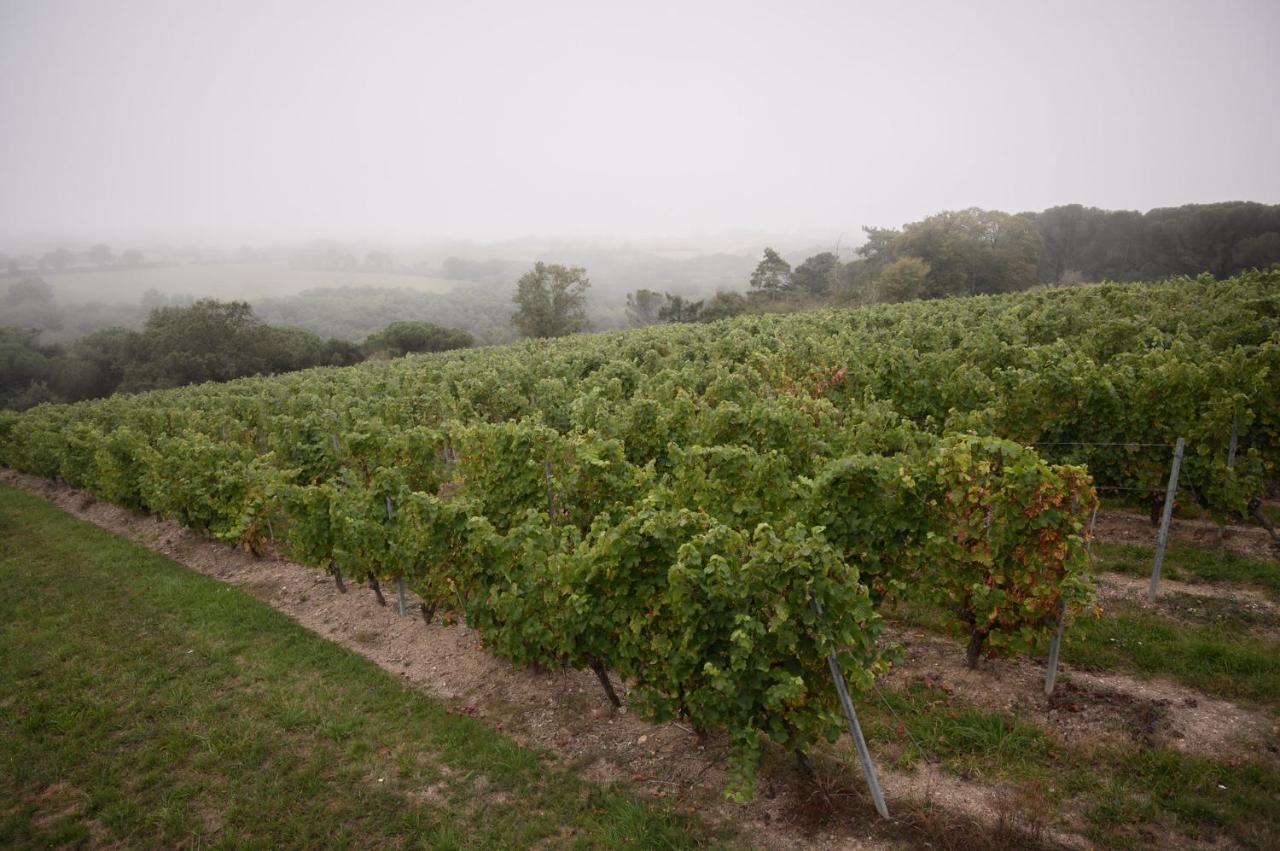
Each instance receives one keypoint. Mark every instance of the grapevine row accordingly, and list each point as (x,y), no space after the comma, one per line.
(668,504)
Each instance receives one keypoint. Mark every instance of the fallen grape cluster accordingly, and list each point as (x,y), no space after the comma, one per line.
(677,504)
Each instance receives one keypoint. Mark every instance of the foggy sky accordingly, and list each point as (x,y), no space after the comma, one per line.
(406,120)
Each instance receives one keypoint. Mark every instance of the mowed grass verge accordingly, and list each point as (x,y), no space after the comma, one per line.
(1127,796)
(1187,563)
(1215,645)
(144,705)
(1119,796)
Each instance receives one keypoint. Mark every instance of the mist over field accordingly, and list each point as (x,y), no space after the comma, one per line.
(340,166)
(224,123)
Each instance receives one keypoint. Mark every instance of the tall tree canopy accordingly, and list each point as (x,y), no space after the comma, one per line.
(552,301)
(773,274)
(643,307)
(902,280)
(406,336)
(816,275)
(972,251)
(1085,243)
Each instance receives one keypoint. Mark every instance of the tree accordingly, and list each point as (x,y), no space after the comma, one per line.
(679,309)
(643,307)
(902,280)
(877,250)
(24,364)
(109,352)
(552,301)
(1123,245)
(817,274)
(29,303)
(772,275)
(405,337)
(338,352)
(100,254)
(1257,252)
(131,258)
(153,299)
(58,259)
(1062,231)
(723,305)
(973,251)
(208,341)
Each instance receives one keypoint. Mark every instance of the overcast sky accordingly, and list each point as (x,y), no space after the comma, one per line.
(415,120)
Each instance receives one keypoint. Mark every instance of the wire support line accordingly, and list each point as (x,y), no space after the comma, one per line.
(1099,443)
(1123,488)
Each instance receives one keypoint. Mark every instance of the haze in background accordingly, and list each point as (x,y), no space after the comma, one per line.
(243,121)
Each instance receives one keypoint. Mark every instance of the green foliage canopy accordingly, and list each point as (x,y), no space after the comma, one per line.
(552,300)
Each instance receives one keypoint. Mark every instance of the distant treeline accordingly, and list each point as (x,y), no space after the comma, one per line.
(1095,245)
(974,251)
(952,253)
(988,251)
(205,341)
(353,312)
(60,259)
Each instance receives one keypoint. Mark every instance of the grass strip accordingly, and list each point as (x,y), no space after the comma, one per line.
(1126,796)
(142,704)
(1187,563)
(1223,658)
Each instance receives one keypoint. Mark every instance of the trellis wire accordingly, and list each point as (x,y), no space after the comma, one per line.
(1097,443)
(1125,488)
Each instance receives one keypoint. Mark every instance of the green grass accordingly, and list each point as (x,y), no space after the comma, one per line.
(965,740)
(1221,659)
(1221,656)
(1191,564)
(1215,645)
(142,704)
(1126,794)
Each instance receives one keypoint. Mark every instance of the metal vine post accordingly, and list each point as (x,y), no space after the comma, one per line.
(855,729)
(1055,648)
(1166,517)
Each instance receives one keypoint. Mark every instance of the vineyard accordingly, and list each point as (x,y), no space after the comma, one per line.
(708,512)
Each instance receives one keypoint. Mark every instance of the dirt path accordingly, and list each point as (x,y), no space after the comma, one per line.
(1131,527)
(1122,586)
(566,714)
(1087,708)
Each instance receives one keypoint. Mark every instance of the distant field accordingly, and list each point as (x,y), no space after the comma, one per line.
(224,280)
